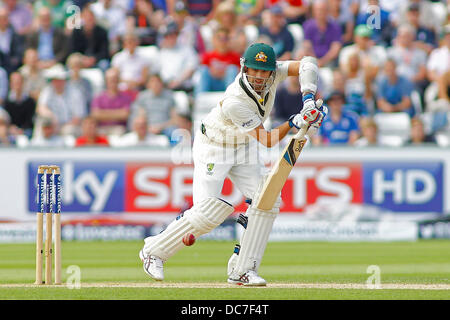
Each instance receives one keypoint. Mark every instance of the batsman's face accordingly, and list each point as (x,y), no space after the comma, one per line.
(258,78)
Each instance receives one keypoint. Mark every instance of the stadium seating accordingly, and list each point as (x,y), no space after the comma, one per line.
(440,12)
(207,33)
(251,32)
(181,102)
(393,128)
(203,103)
(296,31)
(96,78)
(150,52)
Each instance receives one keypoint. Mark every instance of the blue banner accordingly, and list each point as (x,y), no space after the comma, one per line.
(404,186)
(86,186)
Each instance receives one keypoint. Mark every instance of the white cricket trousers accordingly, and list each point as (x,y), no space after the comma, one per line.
(210,170)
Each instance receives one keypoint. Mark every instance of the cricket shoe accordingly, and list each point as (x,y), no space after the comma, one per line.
(153,266)
(250,278)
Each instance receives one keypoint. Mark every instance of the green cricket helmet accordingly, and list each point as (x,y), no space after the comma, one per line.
(259,56)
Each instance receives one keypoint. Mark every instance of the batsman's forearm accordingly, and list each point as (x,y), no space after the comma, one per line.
(271,138)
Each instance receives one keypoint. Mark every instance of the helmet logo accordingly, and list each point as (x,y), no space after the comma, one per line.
(261,56)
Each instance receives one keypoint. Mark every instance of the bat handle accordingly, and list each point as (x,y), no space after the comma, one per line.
(302,132)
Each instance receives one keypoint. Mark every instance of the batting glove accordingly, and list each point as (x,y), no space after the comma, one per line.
(309,102)
(296,121)
(314,116)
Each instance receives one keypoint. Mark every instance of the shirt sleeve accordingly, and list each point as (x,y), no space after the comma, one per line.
(242,117)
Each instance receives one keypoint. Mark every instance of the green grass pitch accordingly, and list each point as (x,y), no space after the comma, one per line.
(294,271)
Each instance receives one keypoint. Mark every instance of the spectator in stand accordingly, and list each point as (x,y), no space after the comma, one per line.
(59,10)
(339,82)
(394,91)
(20,107)
(112,107)
(189,34)
(417,133)
(249,9)
(369,132)
(358,86)
(425,37)
(372,56)
(176,64)
(438,72)
(51,43)
(323,34)
(427,15)
(344,17)
(3,85)
(90,135)
(111,17)
(91,40)
(280,37)
(133,66)
(160,6)
(141,135)
(184,123)
(145,22)
(62,103)
(32,74)
(48,136)
(294,10)
(81,3)
(340,126)
(378,21)
(11,44)
(227,18)
(220,66)
(411,61)
(6,139)
(158,105)
(288,101)
(202,10)
(20,16)
(75,64)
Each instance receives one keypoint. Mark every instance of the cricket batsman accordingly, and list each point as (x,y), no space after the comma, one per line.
(225,146)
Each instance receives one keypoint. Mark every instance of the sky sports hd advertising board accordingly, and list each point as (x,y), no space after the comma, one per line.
(93,186)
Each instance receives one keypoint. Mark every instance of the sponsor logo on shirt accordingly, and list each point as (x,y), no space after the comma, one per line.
(248,123)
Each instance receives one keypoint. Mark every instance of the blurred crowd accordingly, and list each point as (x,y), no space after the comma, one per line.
(129,72)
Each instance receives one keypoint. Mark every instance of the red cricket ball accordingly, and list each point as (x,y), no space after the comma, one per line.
(188,239)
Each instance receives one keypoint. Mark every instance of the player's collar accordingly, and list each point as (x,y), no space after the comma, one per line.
(253,95)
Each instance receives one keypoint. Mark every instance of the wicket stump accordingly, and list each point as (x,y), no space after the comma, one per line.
(49,203)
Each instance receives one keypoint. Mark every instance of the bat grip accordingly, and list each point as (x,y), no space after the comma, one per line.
(302,132)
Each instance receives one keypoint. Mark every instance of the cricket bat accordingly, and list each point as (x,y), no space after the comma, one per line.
(281,170)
